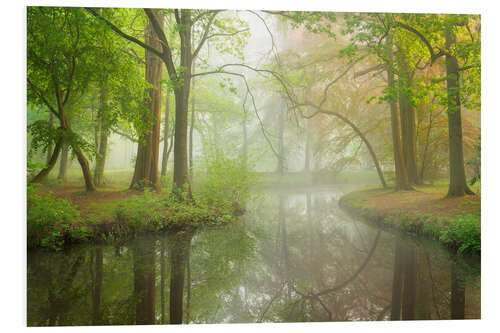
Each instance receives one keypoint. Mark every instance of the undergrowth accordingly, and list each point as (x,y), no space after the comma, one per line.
(52,222)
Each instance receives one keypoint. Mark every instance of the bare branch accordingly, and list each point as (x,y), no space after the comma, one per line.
(369,70)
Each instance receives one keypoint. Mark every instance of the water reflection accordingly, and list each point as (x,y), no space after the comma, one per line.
(294,257)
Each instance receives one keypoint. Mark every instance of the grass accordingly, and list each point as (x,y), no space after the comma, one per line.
(61,213)
(455,222)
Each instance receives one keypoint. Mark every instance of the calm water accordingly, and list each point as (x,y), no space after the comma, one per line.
(295,257)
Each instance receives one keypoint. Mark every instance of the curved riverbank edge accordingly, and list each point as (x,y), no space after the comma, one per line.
(459,232)
(56,223)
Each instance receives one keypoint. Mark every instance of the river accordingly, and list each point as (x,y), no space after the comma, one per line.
(294,257)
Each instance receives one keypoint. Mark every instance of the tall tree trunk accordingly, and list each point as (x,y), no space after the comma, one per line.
(50,165)
(399,163)
(162,280)
(66,126)
(144,282)
(408,128)
(63,164)
(50,147)
(181,244)
(164,160)
(244,152)
(191,129)
(458,183)
(97,286)
(397,282)
(307,162)
(103,138)
(457,290)
(281,144)
(284,244)
(181,176)
(410,284)
(146,165)
(426,147)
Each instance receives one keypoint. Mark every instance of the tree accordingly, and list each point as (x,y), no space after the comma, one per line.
(189,25)
(57,43)
(435,28)
(146,166)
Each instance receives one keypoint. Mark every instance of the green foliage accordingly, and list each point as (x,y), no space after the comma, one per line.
(475,163)
(52,221)
(463,232)
(225,189)
(226,182)
(149,212)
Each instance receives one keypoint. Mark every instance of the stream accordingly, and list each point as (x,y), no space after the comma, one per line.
(294,257)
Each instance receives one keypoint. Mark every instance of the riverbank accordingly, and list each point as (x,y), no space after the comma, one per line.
(455,222)
(65,214)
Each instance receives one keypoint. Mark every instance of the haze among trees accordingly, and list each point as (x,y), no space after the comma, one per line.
(329,89)
(220,160)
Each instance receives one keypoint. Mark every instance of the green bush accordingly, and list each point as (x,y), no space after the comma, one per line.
(148,212)
(226,182)
(464,232)
(51,221)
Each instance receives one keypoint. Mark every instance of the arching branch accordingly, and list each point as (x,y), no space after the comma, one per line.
(121,33)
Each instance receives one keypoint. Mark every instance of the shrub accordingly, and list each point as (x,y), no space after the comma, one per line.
(51,221)
(463,232)
(226,182)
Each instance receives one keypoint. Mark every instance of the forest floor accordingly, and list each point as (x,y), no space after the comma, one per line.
(101,204)
(426,211)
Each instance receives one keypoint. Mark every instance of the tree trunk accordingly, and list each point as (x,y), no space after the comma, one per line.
(103,138)
(458,183)
(178,262)
(245,139)
(50,147)
(307,162)
(144,283)
(410,284)
(181,176)
(426,147)
(281,144)
(408,128)
(53,159)
(457,290)
(397,283)
(191,130)
(399,163)
(164,160)
(146,165)
(63,164)
(97,286)
(66,126)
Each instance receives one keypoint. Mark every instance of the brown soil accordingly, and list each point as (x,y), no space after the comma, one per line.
(77,195)
(422,202)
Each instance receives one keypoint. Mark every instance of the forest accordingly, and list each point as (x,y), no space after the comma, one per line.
(214,166)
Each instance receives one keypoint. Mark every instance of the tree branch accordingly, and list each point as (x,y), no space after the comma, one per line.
(205,36)
(166,56)
(369,70)
(434,56)
(124,35)
(44,100)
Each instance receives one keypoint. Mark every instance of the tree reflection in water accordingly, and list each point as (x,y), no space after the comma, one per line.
(294,257)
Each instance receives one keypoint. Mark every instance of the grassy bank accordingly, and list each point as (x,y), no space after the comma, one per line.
(61,213)
(455,222)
